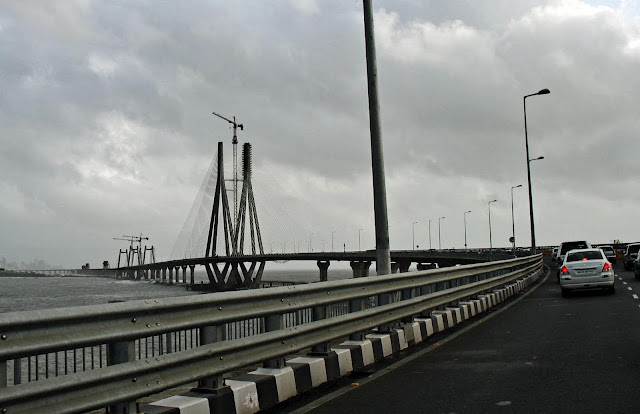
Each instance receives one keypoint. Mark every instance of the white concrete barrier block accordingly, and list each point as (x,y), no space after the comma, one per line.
(428,324)
(465,310)
(344,361)
(317,367)
(457,313)
(438,322)
(285,380)
(245,394)
(472,307)
(402,339)
(412,332)
(367,350)
(186,405)
(387,348)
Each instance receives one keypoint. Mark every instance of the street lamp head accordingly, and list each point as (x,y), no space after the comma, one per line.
(442,217)
(492,201)
(517,186)
(468,211)
(544,92)
(536,159)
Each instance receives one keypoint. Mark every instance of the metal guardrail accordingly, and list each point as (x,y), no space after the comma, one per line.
(329,311)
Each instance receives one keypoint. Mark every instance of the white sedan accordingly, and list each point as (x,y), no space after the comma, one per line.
(586,269)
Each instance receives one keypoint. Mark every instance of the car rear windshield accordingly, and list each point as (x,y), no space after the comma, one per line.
(588,255)
(633,248)
(573,245)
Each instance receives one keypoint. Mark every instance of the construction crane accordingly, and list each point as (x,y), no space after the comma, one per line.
(235,160)
(130,254)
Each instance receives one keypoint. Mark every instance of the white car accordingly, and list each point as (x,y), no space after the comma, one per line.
(586,269)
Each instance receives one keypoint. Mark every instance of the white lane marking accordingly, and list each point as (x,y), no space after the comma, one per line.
(624,283)
(629,288)
(635,296)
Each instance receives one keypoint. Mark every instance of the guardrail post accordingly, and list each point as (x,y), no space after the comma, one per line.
(356,305)
(17,371)
(3,374)
(319,313)
(120,353)
(274,323)
(209,335)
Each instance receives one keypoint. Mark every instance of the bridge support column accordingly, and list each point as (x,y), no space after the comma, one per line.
(171,275)
(210,335)
(324,273)
(192,269)
(118,353)
(360,269)
(394,267)
(184,274)
(164,274)
(404,265)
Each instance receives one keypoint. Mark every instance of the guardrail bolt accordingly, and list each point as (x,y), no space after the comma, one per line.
(134,380)
(4,337)
(220,308)
(133,320)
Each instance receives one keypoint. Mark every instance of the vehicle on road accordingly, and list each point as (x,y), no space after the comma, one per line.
(630,255)
(586,269)
(554,254)
(564,247)
(609,253)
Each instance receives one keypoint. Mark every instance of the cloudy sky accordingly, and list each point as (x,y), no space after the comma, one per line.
(106,124)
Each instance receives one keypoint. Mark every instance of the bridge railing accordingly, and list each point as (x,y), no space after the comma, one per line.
(128,350)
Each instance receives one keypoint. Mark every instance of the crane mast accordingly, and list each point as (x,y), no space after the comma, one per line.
(235,161)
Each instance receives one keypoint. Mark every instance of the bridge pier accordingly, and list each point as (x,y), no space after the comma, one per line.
(360,269)
(171,275)
(404,265)
(192,269)
(184,274)
(394,267)
(324,273)
(164,274)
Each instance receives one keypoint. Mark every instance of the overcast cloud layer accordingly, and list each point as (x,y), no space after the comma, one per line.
(107,128)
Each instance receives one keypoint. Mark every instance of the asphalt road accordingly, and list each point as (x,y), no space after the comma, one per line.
(545,354)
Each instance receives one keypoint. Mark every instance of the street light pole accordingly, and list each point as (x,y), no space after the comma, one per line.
(383,254)
(359,249)
(526,142)
(430,234)
(490,242)
(311,234)
(439,240)
(465,228)
(332,233)
(413,235)
(513,222)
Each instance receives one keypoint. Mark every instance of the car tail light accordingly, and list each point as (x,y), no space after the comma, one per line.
(607,266)
(564,270)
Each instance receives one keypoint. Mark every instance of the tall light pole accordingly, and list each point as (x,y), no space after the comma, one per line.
(439,244)
(526,143)
(311,234)
(383,254)
(430,235)
(490,242)
(465,228)
(332,233)
(513,222)
(359,249)
(413,235)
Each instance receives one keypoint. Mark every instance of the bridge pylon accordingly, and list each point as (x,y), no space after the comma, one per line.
(234,274)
